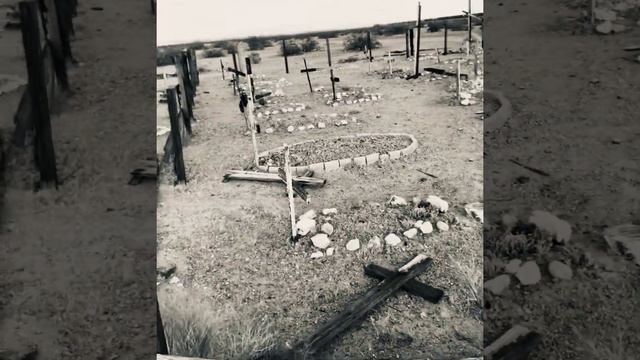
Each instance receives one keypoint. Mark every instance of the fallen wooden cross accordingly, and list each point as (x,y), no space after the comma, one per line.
(237,72)
(517,343)
(356,312)
(333,79)
(296,188)
(446,72)
(270,177)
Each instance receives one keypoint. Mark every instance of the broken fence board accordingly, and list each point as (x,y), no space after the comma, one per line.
(413,287)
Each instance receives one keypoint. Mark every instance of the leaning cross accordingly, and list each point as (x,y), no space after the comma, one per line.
(307,70)
(334,80)
(356,312)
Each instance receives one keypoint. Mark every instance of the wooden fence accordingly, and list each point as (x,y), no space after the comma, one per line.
(47,26)
(180,101)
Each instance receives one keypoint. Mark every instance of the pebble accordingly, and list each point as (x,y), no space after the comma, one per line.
(374,242)
(442,226)
(438,203)
(327,228)
(513,266)
(317,254)
(291,128)
(392,240)
(560,270)
(551,224)
(418,224)
(269,130)
(305,226)
(329,211)
(426,228)
(311,214)
(311,126)
(353,245)
(498,284)
(302,128)
(330,251)
(529,273)
(321,241)
(411,233)
(321,125)
(397,201)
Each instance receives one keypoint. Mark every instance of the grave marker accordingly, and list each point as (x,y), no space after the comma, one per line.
(469,28)
(369,45)
(307,70)
(252,120)
(236,83)
(292,208)
(334,80)
(222,69)
(406,41)
(176,137)
(284,53)
(413,53)
(419,25)
(446,31)
(458,80)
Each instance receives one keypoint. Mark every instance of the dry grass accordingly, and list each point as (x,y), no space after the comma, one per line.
(614,348)
(472,276)
(195,330)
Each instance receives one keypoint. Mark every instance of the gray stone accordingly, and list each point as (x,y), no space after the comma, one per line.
(321,241)
(560,270)
(498,284)
(330,251)
(374,242)
(426,228)
(397,201)
(353,245)
(327,228)
(438,203)
(317,255)
(411,233)
(305,226)
(529,273)
(329,211)
(513,266)
(392,240)
(442,226)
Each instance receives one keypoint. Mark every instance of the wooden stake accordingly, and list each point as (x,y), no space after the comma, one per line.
(389,61)
(284,52)
(252,120)
(292,209)
(469,29)
(406,41)
(437,55)
(418,41)
(236,83)
(222,69)
(446,30)
(475,63)
(370,46)
(458,80)
(413,53)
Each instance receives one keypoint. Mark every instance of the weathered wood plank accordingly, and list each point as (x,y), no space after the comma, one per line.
(413,286)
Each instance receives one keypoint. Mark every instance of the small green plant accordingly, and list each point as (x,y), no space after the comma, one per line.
(358,42)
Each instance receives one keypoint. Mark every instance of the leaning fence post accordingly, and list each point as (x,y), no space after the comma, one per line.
(176,136)
(44,150)
(458,80)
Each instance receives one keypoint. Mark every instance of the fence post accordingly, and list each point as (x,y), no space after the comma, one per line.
(176,136)
(284,52)
(55,37)
(44,152)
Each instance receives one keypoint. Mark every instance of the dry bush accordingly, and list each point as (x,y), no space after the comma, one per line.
(472,275)
(358,42)
(614,348)
(194,329)
(213,53)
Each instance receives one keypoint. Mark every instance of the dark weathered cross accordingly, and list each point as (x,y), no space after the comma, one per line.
(222,68)
(307,70)
(334,80)
(284,53)
(356,312)
(418,27)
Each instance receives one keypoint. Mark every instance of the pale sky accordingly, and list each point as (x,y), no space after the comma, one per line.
(180,21)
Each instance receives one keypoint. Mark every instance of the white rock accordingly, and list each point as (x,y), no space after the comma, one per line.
(290,110)
(329,211)
(327,228)
(560,270)
(418,224)
(529,273)
(291,128)
(426,228)
(321,241)
(513,266)
(174,280)
(317,255)
(605,27)
(438,203)
(311,214)
(269,130)
(259,115)
(392,240)
(411,233)
(321,125)
(442,226)
(551,224)
(397,201)
(464,102)
(311,126)
(330,251)
(344,122)
(305,226)
(498,284)
(353,245)
(302,128)
(374,242)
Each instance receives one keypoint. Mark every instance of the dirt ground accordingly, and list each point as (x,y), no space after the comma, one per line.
(76,263)
(229,241)
(574,117)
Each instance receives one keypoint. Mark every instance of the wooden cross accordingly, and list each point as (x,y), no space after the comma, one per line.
(370,46)
(252,121)
(236,83)
(356,312)
(292,207)
(306,70)
(406,40)
(390,60)
(334,80)
(446,30)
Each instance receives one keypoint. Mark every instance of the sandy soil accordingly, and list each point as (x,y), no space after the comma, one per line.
(77,263)
(571,93)
(229,240)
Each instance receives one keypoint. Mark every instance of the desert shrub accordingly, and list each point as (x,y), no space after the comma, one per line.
(293,48)
(390,29)
(194,329)
(358,42)
(255,58)
(309,44)
(230,46)
(257,43)
(213,53)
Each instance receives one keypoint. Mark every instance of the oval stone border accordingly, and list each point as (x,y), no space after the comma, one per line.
(500,117)
(337,164)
